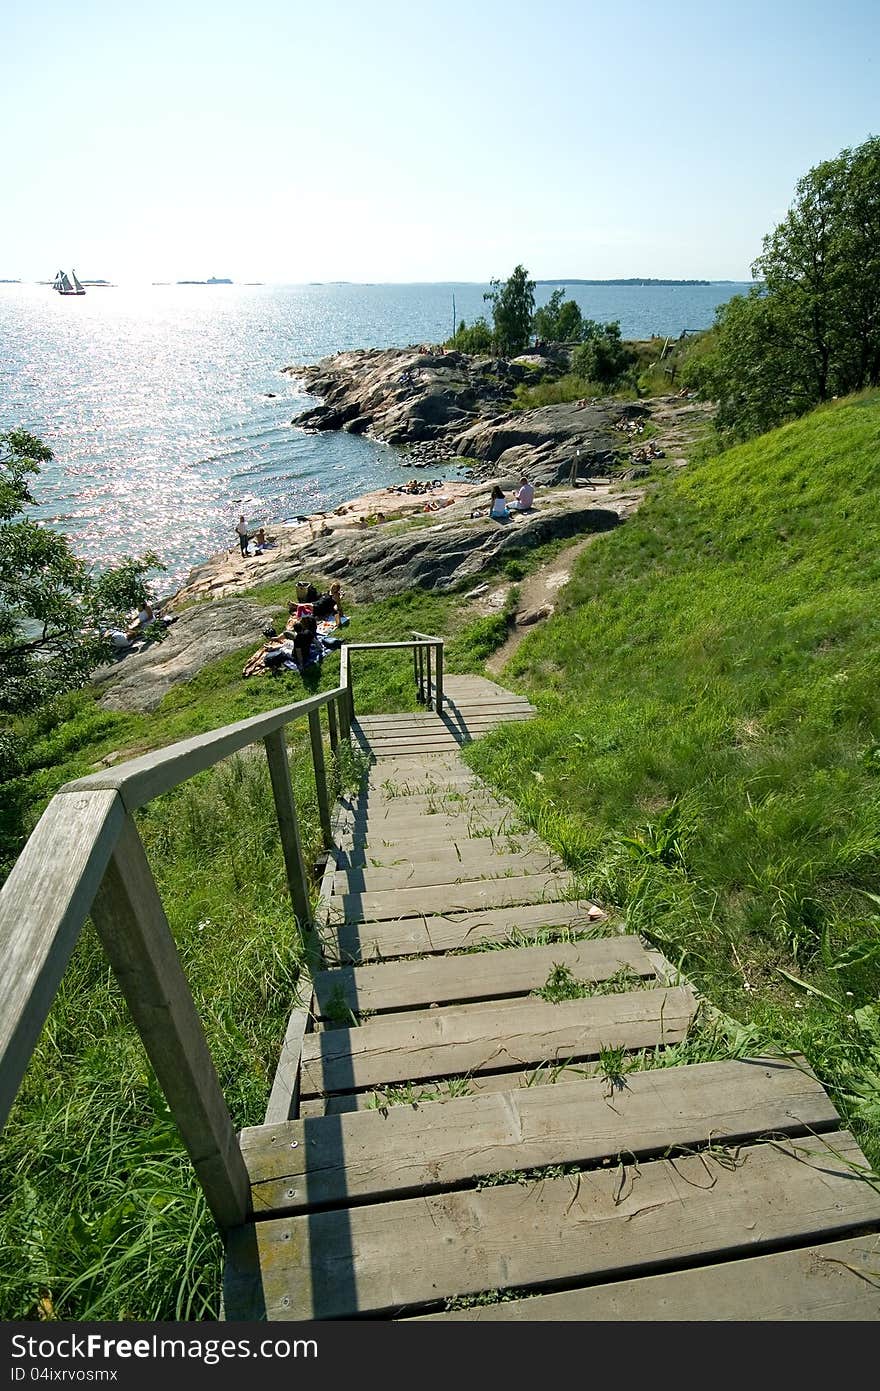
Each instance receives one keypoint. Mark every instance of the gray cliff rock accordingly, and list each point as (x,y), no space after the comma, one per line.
(200,635)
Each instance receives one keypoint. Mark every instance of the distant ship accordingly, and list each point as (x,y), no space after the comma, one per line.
(62,284)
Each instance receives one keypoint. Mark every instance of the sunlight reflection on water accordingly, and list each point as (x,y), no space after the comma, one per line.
(156,400)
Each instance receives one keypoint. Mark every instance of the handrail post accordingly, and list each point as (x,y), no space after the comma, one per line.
(420,674)
(345,708)
(131,922)
(438,693)
(349,685)
(317,739)
(331,725)
(288,828)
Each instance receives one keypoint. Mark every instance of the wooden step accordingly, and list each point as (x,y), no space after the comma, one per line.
(430,933)
(480,1038)
(443,867)
(420,848)
(422,1149)
(579,1228)
(394,820)
(390,904)
(438,1091)
(831,1281)
(484,975)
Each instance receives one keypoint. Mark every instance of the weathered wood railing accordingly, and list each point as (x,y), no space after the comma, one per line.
(85,857)
(428,691)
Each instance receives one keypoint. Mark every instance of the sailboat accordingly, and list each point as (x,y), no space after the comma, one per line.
(63,285)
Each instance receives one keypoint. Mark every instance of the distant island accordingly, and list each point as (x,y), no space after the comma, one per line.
(10,282)
(633,280)
(212,280)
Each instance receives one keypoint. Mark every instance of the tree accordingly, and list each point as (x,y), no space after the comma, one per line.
(472,338)
(603,357)
(513,305)
(52,608)
(811,330)
(559,320)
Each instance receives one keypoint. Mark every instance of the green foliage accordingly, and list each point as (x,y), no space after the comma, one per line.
(812,329)
(52,608)
(559,320)
(513,304)
(473,338)
(711,770)
(603,356)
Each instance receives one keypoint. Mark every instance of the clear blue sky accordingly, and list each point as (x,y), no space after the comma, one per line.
(394,140)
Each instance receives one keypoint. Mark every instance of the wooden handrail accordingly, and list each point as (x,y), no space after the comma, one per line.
(437,644)
(85,857)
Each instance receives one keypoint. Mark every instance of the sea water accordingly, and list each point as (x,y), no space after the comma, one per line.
(168,413)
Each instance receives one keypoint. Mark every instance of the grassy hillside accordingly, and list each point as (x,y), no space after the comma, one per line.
(708,747)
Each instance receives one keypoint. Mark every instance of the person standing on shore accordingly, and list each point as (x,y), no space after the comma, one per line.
(243,535)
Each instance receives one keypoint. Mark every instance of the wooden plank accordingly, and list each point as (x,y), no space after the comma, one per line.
(433,933)
(835,1281)
(405,782)
(138,780)
(283,1101)
(439,1092)
(43,905)
(581,1227)
(477,976)
(130,920)
(381,823)
(288,830)
(371,724)
(420,1149)
(332,726)
(428,725)
(444,868)
(321,791)
(371,802)
(378,837)
(475,1038)
(423,849)
(388,905)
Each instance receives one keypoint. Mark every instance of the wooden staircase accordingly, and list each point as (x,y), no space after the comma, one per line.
(454,1145)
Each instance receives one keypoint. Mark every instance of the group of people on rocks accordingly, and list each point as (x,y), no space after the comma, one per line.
(646,453)
(247,538)
(312,619)
(499,511)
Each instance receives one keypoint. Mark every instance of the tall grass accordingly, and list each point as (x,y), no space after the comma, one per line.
(707,752)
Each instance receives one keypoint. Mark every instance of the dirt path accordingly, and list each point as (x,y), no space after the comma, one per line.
(538,594)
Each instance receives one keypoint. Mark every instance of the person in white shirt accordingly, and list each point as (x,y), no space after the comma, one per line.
(525,495)
(498,508)
(243,534)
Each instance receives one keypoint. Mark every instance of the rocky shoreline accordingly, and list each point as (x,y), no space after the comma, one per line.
(441,407)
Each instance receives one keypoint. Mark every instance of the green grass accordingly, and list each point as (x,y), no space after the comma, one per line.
(707,751)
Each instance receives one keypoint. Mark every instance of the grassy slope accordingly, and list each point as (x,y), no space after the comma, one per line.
(708,748)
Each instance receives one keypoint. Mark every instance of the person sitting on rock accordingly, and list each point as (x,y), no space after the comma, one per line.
(525,495)
(498,508)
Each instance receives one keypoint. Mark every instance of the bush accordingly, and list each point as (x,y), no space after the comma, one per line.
(603,357)
(473,338)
